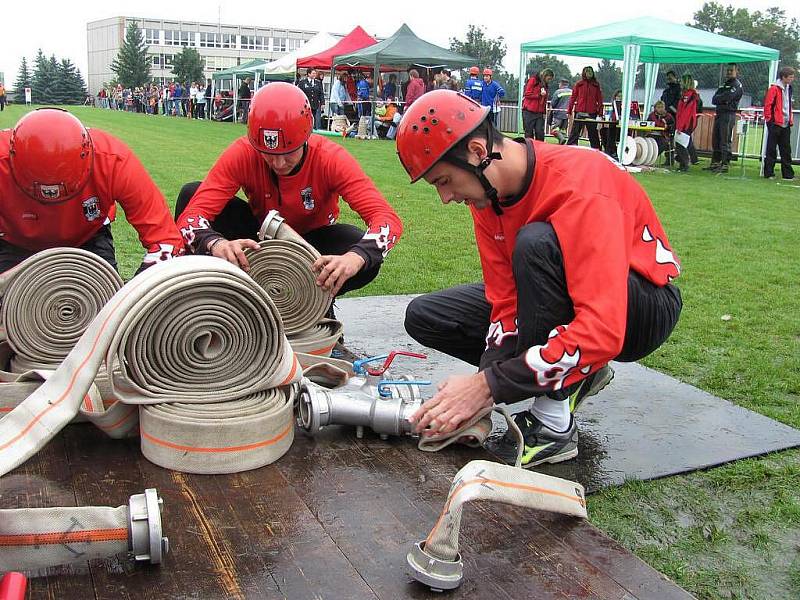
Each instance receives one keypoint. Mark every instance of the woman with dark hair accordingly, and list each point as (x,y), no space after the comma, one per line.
(586,104)
(686,120)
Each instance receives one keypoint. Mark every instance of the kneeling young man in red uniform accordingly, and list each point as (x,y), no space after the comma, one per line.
(59,185)
(576,267)
(281,166)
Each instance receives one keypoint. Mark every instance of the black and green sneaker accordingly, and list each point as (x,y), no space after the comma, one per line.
(589,386)
(542,444)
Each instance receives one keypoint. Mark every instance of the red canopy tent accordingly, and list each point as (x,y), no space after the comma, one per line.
(355,40)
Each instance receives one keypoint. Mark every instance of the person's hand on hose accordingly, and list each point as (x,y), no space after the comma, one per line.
(333,270)
(459,398)
(233,251)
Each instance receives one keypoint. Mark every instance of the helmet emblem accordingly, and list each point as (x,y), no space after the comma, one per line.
(50,192)
(270,138)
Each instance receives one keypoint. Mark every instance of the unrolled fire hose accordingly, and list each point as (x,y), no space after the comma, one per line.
(200,346)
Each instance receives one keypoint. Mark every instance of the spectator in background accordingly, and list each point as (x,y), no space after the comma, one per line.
(200,101)
(534,103)
(244,100)
(559,117)
(662,118)
(193,99)
(339,96)
(473,87)
(586,103)
(350,85)
(686,120)
(384,119)
(390,88)
(177,99)
(778,116)
(416,87)
(450,83)
(726,100)
(492,92)
(2,97)
(672,94)
(312,88)
(363,90)
(209,97)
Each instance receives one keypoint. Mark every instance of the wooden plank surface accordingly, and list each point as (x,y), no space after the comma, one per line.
(334,518)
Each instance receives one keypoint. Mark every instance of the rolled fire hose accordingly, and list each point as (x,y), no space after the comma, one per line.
(436,561)
(194,330)
(34,538)
(319,339)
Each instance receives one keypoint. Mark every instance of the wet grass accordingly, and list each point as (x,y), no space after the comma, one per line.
(730,532)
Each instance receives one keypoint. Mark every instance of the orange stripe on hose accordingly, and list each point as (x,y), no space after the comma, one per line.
(516,486)
(290,376)
(71,384)
(5,409)
(253,446)
(323,351)
(64,537)
(127,416)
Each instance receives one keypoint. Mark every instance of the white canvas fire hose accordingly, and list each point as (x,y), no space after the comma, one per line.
(195,333)
(436,561)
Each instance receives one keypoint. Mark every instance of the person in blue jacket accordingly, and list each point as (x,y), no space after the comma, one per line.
(363,89)
(473,87)
(492,92)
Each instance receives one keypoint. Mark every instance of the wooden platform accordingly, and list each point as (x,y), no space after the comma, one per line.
(334,518)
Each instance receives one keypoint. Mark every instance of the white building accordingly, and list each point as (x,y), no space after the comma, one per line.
(221,46)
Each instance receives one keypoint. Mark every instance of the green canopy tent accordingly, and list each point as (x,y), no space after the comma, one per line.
(401,49)
(650,41)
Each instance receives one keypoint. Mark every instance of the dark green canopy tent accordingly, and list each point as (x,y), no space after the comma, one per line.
(401,50)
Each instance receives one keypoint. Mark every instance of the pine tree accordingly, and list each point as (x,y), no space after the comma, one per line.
(41,77)
(131,64)
(73,88)
(187,66)
(23,81)
(55,88)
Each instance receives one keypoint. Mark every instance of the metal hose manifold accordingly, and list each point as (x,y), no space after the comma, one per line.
(436,562)
(194,330)
(34,538)
(383,406)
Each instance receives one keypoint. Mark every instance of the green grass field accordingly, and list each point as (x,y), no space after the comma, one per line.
(730,532)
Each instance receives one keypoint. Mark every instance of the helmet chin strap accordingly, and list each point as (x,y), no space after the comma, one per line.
(478,171)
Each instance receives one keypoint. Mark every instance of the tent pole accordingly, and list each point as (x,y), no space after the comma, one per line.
(650,78)
(630,62)
(523,61)
(235,101)
(773,75)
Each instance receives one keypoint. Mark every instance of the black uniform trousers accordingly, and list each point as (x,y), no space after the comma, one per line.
(591,130)
(455,321)
(101,244)
(236,221)
(778,140)
(721,137)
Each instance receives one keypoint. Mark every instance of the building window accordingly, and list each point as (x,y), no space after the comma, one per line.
(187,38)
(262,42)
(167,60)
(295,44)
(172,38)
(210,40)
(228,40)
(248,42)
(279,44)
(152,37)
(157,59)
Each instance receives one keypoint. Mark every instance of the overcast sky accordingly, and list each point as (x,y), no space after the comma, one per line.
(59,27)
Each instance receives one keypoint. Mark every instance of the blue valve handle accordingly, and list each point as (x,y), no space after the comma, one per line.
(358,365)
(385,392)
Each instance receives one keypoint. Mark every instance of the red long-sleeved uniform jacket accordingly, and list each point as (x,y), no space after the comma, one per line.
(117,176)
(773,105)
(535,97)
(606,226)
(587,97)
(686,119)
(308,199)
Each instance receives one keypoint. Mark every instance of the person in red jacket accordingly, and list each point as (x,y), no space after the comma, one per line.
(415,89)
(59,185)
(534,104)
(280,166)
(577,271)
(686,121)
(779,119)
(586,104)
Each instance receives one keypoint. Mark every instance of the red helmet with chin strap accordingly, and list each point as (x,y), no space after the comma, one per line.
(474,70)
(280,119)
(433,126)
(51,155)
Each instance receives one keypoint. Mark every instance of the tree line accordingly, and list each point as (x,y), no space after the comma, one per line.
(52,81)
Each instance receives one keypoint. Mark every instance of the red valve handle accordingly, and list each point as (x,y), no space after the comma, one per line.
(12,586)
(382,369)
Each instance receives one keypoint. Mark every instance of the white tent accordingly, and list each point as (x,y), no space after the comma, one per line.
(286,66)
